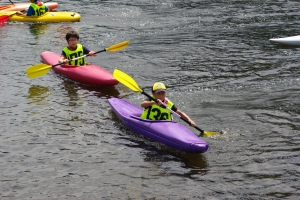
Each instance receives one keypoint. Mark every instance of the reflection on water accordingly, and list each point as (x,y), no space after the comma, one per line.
(284,46)
(64,29)
(163,154)
(38,93)
(74,90)
(197,161)
(222,70)
(36,29)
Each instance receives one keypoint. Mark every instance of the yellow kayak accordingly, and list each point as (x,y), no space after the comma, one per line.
(47,17)
(23,6)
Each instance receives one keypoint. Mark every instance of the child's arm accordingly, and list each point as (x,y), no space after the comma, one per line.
(63,60)
(182,114)
(92,53)
(147,103)
(30,11)
(87,51)
(22,12)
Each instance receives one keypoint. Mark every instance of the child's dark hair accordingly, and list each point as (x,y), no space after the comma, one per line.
(73,34)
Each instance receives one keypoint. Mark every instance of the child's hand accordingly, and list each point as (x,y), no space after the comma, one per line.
(91,53)
(159,102)
(64,61)
(192,123)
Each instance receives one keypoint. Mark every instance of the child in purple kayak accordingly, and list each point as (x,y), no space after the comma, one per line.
(154,111)
(74,50)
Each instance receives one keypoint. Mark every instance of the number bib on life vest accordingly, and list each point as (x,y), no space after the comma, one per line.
(38,10)
(74,54)
(156,112)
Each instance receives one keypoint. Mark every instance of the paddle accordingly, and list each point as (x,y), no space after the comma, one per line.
(42,69)
(126,80)
(5,18)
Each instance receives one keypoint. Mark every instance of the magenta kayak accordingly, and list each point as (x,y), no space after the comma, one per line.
(170,133)
(89,74)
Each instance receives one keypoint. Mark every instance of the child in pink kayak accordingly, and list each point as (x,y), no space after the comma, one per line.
(74,50)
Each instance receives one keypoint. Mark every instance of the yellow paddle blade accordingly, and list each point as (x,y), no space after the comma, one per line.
(117,47)
(209,134)
(126,80)
(37,70)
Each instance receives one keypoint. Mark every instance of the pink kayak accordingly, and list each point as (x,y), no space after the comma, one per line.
(23,6)
(89,74)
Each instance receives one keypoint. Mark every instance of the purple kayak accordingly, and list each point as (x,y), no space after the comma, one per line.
(170,133)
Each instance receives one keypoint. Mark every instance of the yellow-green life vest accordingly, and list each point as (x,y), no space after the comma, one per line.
(155,112)
(71,54)
(38,10)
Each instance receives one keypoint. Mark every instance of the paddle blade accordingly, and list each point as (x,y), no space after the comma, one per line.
(126,80)
(209,134)
(4,18)
(117,47)
(37,70)
(5,7)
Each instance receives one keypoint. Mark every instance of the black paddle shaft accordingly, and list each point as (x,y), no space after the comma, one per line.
(96,52)
(13,2)
(86,55)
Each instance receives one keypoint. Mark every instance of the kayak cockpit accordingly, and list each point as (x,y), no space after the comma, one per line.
(137,116)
